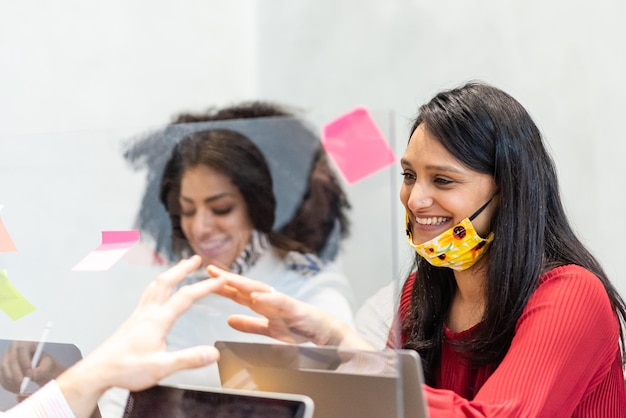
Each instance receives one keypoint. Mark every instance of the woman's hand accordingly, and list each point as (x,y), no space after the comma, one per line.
(286,319)
(16,364)
(135,357)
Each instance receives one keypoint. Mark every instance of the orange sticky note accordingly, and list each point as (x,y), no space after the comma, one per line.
(6,243)
(11,300)
(356,145)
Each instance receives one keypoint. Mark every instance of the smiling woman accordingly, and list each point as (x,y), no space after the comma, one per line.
(529,309)
(217,189)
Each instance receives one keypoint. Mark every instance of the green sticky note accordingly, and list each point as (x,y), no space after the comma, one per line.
(11,300)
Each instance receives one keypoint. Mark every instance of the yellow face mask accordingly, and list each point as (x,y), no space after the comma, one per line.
(459,247)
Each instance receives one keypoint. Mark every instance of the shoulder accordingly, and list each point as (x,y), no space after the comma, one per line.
(573,294)
(298,272)
(305,264)
(276,262)
(323,275)
(572,280)
(569,270)
(311,279)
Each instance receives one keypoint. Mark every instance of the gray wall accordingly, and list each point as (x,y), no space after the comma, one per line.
(77,79)
(564,60)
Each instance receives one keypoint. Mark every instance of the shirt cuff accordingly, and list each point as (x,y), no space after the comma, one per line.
(47,402)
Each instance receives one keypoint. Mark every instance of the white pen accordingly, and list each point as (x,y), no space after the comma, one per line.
(38,351)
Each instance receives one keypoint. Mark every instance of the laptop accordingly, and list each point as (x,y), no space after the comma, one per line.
(342,383)
(63,355)
(194,402)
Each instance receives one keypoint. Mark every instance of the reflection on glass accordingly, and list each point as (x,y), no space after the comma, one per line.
(16,363)
(373,380)
(255,195)
(179,402)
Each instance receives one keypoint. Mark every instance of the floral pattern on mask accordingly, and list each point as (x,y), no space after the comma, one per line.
(458,248)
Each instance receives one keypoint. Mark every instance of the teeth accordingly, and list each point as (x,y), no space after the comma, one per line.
(209,245)
(431,221)
(206,247)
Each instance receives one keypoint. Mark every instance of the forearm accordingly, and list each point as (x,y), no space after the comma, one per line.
(135,356)
(82,385)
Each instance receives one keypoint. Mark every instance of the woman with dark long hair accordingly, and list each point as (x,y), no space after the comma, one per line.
(510,313)
(217,189)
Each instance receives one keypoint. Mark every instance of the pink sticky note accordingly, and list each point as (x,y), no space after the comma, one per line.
(6,243)
(142,255)
(114,245)
(356,145)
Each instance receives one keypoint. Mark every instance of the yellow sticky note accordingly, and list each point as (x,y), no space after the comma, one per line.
(11,300)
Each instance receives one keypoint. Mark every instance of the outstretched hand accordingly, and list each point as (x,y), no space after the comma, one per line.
(285,318)
(135,357)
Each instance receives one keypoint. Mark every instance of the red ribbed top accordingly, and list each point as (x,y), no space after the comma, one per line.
(564,360)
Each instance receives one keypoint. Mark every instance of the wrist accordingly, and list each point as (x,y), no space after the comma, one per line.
(342,335)
(82,385)
(337,331)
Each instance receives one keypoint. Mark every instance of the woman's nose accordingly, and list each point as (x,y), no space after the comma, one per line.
(203,222)
(419,200)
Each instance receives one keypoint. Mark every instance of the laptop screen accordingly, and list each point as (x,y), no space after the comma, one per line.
(342,383)
(191,402)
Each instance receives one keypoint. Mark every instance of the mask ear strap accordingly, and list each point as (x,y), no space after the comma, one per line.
(471,218)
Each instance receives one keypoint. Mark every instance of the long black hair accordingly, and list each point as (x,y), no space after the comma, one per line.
(490,132)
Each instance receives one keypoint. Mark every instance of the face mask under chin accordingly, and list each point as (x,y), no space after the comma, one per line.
(458,248)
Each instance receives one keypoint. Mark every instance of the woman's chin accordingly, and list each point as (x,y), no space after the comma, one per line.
(218,262)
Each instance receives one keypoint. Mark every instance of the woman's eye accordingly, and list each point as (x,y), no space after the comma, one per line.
(442,181)
(408,177)
(187,213)
(222,211)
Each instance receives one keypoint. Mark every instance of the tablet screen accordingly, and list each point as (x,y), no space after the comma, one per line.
(180,402)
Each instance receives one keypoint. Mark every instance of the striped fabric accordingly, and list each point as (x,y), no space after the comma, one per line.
(564,360)
(47,402)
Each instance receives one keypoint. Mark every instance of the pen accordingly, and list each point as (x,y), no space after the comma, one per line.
(36,356)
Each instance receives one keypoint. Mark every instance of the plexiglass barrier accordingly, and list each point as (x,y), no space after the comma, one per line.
(86,215)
